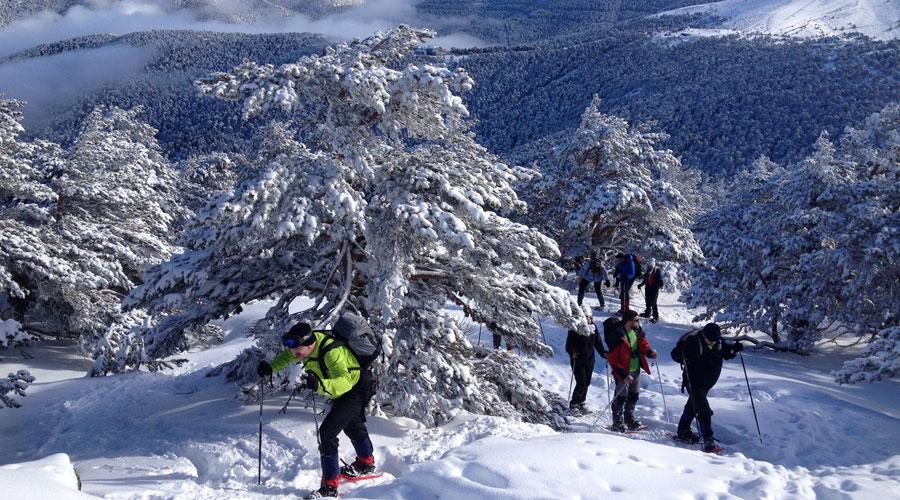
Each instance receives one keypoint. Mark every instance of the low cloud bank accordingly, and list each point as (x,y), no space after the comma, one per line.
(126,16)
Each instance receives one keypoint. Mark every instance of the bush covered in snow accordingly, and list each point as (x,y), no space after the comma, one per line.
(12,335)
(15,383)
(879,361)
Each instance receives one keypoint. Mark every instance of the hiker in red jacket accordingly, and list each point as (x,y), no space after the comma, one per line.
(626,358)
(653,281)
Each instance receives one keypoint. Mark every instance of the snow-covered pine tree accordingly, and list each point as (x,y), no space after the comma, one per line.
(389,208)
(121,200)
(735,282)
(80,227)
(207,176)
(611,189)
(811,250)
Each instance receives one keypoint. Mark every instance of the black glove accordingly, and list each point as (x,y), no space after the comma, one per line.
(738,347)
(606,282)
(312,381)
(264,369)
(640,285)
(602,354)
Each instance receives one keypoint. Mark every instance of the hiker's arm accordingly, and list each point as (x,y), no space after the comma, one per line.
(284,360)
(598,345)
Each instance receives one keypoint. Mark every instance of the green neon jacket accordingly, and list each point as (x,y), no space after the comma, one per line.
(343,368)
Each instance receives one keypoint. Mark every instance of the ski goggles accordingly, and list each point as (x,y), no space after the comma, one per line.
(292,341)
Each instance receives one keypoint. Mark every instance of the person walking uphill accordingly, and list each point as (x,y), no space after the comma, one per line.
(700,354)
(627,270)
(333,371)
(653,281)
(592,271)
(581,357)
(627,356)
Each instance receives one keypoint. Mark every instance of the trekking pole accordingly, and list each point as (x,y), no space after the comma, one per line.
(619,393)
(262,393)
(316,420)
(608,390)
(283,409)
(479,332)
(752,405)
(572,378)
(661,391)
(541,326)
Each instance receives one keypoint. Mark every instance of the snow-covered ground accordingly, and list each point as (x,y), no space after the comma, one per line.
(878,19)
(182,435)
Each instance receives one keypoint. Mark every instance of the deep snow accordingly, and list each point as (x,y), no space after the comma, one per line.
(180,434)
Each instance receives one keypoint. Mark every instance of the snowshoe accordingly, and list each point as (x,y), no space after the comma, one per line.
(634,424)
(710,446)
(618,427)
(686,437)
(578,410)
(324,491)
(358,471)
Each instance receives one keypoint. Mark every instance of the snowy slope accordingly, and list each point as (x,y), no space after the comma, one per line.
(878,19)
(183,435)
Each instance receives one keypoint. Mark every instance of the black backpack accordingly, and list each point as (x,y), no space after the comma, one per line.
(679,346)
(610,333)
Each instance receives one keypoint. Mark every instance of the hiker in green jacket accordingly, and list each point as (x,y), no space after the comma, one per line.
(334,372)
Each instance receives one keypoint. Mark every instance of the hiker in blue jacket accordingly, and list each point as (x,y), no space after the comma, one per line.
(627,269)
(592,271)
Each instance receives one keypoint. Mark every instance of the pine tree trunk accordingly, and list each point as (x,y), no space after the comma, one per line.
(774,333)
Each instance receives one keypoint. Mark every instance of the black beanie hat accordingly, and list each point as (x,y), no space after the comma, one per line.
(303,333)
(712,332)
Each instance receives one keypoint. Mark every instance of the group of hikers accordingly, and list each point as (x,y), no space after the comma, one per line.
(699,352)
(335,368)
(627,270)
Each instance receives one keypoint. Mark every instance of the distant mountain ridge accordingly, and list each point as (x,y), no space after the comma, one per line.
(805,18)
(724,100)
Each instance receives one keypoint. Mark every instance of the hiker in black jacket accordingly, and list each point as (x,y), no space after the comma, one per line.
(701,353)
(581,358)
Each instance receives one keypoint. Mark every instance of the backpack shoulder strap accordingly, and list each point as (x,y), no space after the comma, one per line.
(328,344)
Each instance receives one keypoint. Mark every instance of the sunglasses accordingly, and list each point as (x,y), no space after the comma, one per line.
(291,341)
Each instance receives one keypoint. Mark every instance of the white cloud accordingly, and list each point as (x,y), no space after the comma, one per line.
(48,83)
(126,16)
